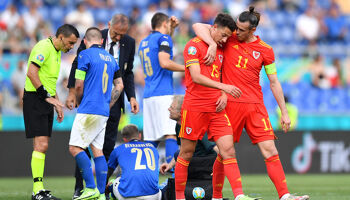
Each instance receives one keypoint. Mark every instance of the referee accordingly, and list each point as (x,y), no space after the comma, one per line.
(40,99)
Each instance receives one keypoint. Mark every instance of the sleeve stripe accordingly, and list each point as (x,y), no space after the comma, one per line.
(79,74)
(189,65)
(35,64)
(197,60)
(191,62)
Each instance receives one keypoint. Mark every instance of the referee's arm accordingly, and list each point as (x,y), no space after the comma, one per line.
(33,75)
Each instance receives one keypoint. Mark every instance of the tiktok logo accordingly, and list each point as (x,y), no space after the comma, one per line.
(302,155)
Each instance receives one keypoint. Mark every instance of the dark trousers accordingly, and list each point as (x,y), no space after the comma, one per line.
(109,143)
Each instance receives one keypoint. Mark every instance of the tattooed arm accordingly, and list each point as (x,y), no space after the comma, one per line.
(117,90)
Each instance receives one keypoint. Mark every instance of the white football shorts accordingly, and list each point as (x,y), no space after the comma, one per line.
(88,129)
(156,121)
(157,196)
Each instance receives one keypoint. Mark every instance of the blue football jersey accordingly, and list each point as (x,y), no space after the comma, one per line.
(158,81)
(140,168)
(100,68)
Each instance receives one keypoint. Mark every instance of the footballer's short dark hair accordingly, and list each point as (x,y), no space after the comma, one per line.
(130,132)
(225,20)
(158,19)
(93,34)
(251,16)
(67,30)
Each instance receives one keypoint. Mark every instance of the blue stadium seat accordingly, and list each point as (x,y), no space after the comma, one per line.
(57,15)
(101,15)
(286,34)
(337,50)
(291,18)
(271,36)
(278,18)
(44,12)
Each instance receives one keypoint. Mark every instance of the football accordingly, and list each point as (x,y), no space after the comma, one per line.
(198,193)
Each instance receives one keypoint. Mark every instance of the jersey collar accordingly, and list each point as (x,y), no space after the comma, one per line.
(96,46)
(50,38)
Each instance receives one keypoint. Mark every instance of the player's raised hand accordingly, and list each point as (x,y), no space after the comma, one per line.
(221,102)
(285,122)
(232,90)
(211,54)
(174,22)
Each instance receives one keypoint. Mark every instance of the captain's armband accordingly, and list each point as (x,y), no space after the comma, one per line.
(270,69)
(79,74)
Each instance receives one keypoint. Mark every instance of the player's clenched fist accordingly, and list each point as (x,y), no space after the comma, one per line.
(174,22)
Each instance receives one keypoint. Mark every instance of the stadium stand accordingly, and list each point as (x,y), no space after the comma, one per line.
(294,53)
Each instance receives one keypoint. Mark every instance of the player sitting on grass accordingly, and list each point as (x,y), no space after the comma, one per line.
(138,161)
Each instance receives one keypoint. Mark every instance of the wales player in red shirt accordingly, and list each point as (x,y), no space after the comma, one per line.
(199,110)
(244,56)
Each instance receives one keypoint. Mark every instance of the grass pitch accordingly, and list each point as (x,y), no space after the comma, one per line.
(319,187)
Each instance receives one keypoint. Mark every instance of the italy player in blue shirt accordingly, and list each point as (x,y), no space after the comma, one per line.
(156,55)
(94,77)
(139,165)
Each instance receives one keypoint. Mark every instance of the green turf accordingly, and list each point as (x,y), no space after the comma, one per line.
(319,187)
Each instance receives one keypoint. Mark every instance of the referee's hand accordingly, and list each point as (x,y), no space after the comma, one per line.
(54,102)
(58,107)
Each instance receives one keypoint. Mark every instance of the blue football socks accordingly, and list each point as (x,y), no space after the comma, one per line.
(101,173)
(84,165)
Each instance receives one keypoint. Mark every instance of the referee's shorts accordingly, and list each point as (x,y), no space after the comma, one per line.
(38,115)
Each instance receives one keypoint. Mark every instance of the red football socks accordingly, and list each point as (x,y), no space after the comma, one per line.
(218,177)
(233,175)
(180,177)
(276,174)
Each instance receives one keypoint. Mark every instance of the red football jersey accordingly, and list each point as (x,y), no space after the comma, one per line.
(197,97)
(242,66)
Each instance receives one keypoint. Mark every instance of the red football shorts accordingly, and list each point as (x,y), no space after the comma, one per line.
(253,117)
(195,124)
